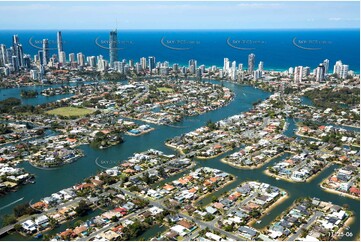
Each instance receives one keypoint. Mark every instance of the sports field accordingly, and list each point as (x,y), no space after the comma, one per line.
(70,111)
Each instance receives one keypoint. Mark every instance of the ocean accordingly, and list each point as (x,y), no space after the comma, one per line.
(278,49)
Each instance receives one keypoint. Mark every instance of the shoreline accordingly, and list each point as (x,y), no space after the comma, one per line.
(268,173)
(350,220)
(213,156)
(141,133)
(253,167)
(269,209)
(310,137)
(216,190)
(329,190)
(175,148)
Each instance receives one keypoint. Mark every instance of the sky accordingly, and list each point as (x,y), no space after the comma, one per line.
(179,15)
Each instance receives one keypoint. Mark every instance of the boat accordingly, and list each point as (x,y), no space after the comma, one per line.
(38,236)
(259,221)
(277,178)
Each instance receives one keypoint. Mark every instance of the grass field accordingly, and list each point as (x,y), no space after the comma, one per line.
(165,89)
(70,111)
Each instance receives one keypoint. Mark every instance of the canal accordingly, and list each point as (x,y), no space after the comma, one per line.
(50,181)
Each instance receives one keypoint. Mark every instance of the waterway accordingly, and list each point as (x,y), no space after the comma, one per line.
(50,181)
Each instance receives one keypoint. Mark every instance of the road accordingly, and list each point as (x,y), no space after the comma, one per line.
(108,226)
(305,226)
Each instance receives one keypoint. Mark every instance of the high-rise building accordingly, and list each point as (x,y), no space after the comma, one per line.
(233,71)
(45,51)
(113,48)
(192,66)
(175,67)
(80,59)
(306,71)
(4,58)
(62,57)
(290,70)
(92,61)
(192,62)
(138,67)
(40,57)
(297,74)
(34,74)
(326,64)
(257,75)
(226,65)
(71,57)
(251,61)
(320,73)
(340,69)
(260,66)
(26,61)
(131,63)
(240,67)
(59,40)
(151,63)
(15,45)
(143,63)
(18,51)
(15,63)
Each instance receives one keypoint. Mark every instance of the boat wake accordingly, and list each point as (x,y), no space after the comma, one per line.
(11,203)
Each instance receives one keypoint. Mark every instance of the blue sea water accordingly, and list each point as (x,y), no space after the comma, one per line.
(278,49)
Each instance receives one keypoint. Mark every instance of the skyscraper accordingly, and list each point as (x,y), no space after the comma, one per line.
(15,63)
(60,46)
(113,47)
(234,71)
(151,63)
(297,74)
(340,69)
(143,63)
(260,66)
(320,73)
(4,58)
(225,65)
(81,59)
(251,61)
(326,64)
(92,61)
(45,51)
(18,50)
(62,57)
(71,58)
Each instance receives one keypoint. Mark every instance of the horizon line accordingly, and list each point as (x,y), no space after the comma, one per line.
(201,29)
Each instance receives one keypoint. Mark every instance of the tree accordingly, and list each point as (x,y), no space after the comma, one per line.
(83,208)
(9,219)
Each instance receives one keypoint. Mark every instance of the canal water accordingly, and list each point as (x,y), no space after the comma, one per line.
(50,181)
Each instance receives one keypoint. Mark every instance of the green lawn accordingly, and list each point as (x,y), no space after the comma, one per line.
(70,111)
(165,89)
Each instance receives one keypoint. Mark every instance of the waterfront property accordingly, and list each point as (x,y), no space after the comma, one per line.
(344,181)
(310,219)
(244,205)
